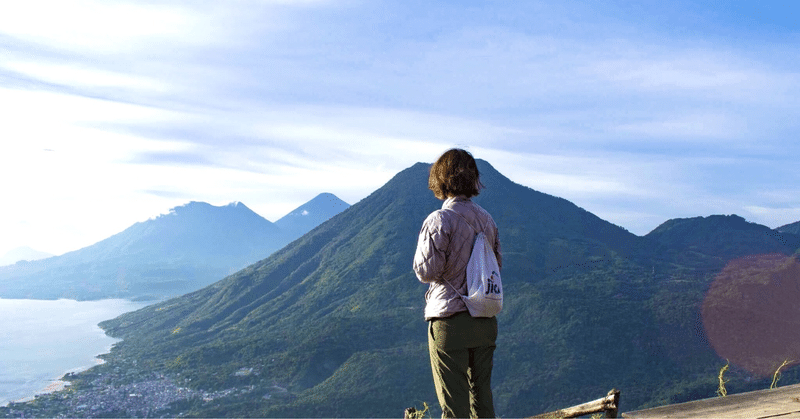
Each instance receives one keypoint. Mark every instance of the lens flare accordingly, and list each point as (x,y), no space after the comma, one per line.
(751,312)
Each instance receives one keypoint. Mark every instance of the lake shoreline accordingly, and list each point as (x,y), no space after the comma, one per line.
(48,339)
(58,384)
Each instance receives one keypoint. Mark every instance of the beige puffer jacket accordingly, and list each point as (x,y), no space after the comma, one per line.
(443,251)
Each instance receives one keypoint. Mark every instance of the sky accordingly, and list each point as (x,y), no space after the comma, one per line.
(112,111)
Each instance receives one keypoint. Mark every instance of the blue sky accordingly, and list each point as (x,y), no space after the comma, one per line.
(115,111)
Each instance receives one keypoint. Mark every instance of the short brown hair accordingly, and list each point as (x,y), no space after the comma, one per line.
(455,173)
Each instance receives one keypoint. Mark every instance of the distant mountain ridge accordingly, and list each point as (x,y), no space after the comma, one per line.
(193,231)
(22,254)
(190,247)
(726,236)
(793,228)
(311,214)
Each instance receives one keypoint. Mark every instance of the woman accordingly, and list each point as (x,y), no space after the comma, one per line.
(461,347)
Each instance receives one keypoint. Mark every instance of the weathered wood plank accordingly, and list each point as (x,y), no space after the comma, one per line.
(782,402)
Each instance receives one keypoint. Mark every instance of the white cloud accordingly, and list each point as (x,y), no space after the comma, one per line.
(691,128)
(696,71)
(41,119)
(82,75)
(94,25)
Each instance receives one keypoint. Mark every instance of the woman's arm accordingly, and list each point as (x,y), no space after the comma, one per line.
(433,241)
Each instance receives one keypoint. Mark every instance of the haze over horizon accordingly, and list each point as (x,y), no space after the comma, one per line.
(115,111)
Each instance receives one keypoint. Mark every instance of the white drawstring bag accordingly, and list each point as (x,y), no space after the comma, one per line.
(484,288)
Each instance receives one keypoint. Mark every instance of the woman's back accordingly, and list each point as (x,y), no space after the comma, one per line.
(443,251)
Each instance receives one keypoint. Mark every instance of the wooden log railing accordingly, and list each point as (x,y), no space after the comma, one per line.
(608,405)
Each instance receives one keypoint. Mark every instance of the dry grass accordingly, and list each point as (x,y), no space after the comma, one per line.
(777,375)
(413,413)
(721,390)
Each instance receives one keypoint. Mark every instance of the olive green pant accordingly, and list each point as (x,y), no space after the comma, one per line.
(461,348)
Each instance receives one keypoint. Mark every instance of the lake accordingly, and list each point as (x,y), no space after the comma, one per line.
(41,340)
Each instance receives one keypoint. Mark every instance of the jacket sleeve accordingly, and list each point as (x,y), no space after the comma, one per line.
(497,251)
(430,257)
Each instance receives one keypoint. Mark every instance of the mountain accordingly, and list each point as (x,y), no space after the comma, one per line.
(311,214)
(793,228)
(186,249)
(720,238)
(22,254)
(331,325)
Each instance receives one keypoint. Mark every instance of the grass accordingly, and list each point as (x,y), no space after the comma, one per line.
(721,390)
(413,413)
(777,375)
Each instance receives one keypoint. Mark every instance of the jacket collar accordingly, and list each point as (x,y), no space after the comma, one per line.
(449,202)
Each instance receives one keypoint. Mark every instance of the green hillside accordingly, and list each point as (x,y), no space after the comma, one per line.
(793,228)
(332,324)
